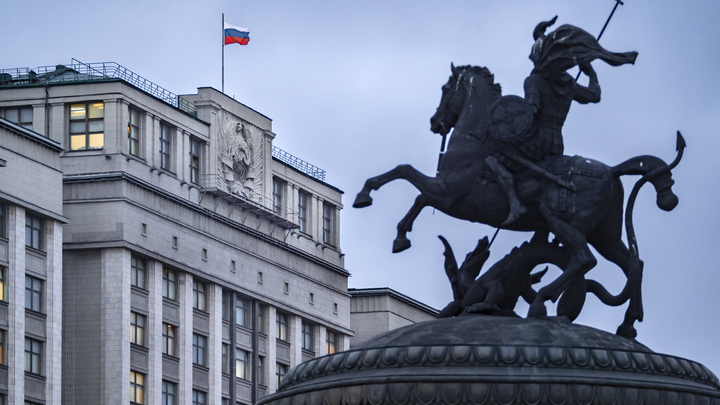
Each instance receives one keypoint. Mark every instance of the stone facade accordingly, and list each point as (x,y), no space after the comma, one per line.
(31,241)
(193,259)
(377,310)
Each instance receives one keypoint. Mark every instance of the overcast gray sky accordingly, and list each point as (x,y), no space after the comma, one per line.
(351,86)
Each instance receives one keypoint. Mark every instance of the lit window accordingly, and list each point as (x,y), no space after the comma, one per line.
(168,339)
(168,393)
(134,132)
(137,272)
(137,329)
(240,311)
(3,272)
(278,196)
(165,146)
(194,161)
(280,372)
(328,223)
(168,284)
(331,343)
(33,355)
(199,398)
(137,388)
(303,209)
(33,231)
(33,293)
(199,343)
(199,295)
(22,116)
(87,126)
(242,364)
(281,326)
(307,336)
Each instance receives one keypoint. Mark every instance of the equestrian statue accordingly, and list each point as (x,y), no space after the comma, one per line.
(504,167)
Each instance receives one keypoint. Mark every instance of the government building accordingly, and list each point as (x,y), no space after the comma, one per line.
(156,248)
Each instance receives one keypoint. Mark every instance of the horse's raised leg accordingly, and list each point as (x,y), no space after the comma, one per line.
(581,261)
(420,181)
(401,242)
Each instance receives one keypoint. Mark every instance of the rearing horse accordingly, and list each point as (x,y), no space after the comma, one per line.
(590,211)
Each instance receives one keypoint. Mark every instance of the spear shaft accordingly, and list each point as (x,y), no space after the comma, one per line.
(617,3)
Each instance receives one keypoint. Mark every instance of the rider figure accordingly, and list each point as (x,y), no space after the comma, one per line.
(550,91)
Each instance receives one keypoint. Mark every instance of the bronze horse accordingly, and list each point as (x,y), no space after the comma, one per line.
(591,211)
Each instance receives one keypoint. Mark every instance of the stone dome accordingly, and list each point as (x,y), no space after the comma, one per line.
(495,360)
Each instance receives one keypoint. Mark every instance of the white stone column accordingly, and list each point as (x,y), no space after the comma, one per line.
(214,298)
(153,151)
(182,149)
(185,334)
(123,113)
(16,305)
(318,223)
(154,332)
(112,126)
(39,119)
(53,309)
(149,128)
(345,342)
(336,228)
(57,125)
(271,360)
(322,337)
(115,325)
(295,340)
(292,210)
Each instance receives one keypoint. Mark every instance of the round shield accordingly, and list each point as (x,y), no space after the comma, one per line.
(510,118)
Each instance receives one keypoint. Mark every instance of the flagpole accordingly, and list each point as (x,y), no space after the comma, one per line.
(223,53)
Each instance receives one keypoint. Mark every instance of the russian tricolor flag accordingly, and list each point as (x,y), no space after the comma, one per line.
(236,35)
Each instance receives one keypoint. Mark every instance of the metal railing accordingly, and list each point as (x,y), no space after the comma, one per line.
(299,164)
(79,71)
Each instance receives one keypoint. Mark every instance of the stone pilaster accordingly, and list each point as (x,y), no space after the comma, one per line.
(112,126)
(271,349)
(57,124)
(322,337)
(214,305)
(16,305)
(115,325)
(295,340)
(154,332)
(185,334)
(39,119)
(53,309)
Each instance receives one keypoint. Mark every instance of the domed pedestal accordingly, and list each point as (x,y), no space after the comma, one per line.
(494,360)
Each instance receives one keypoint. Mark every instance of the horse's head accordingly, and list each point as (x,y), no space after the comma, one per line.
(466,83)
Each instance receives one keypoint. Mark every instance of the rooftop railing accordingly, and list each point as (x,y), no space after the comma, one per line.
(299,164)
(79,71)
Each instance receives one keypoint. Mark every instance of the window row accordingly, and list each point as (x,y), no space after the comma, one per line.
(305,210)
(138,277)
(34,227)
(22,116)
(169,391)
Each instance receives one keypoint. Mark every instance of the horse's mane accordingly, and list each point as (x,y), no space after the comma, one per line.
(485,74)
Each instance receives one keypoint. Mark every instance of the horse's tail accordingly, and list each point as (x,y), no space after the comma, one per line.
(654,170)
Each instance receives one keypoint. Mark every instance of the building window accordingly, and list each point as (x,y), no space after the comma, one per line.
(242,364)
(328,223)
(33,231)
(225,358)
(278,196)
(2,347)
(194,161)
(3,274)
(261,319)
(261,370)
(33,293)
(168,284)
(199,295)
(22,116)
(199,344)
(137,272)
(199,398)
(137,388)
(240,311)
(3,221)
(33,355)
(226,308)
(134,132)
(168,339)
(282,326)
(165,146)
(331,343)
(168,393)
(137,329)
(280,372)
(87,126)
(303,209)
(307,336)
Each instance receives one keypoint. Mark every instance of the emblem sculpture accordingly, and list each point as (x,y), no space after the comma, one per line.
(504,166)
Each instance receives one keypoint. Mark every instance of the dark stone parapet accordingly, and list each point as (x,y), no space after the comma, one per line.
(502,361)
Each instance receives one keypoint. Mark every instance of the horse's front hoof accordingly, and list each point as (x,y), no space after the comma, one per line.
(362,200)
(400,244)
(537,311)
(626,331)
